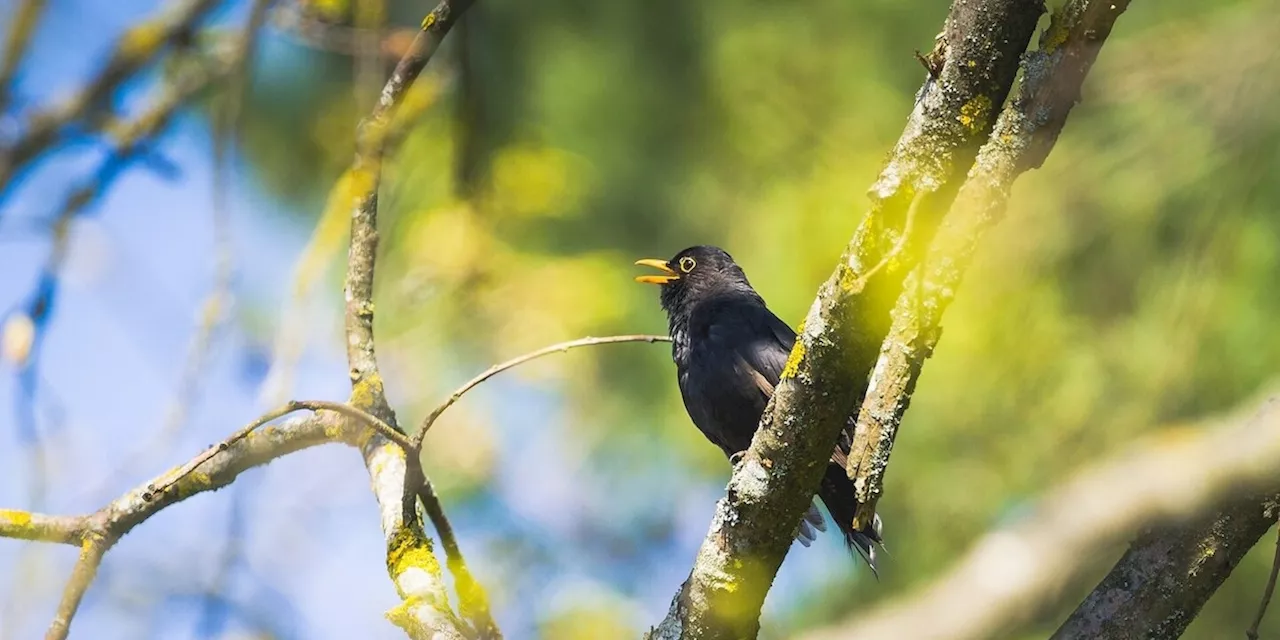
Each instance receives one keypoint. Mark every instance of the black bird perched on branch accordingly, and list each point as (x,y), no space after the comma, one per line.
(729,351)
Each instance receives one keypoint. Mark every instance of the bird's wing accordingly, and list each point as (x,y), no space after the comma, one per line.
(766,357)
(762,343)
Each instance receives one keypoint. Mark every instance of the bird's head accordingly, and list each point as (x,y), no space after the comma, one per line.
(694,274)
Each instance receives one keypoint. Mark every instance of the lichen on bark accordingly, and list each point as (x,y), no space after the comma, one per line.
(842,333)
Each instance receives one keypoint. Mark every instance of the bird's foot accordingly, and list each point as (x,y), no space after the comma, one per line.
(736,459)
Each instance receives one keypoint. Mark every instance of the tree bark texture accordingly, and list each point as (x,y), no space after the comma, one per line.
(825,378)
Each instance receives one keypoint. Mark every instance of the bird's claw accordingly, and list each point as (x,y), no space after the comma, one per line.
(736,459)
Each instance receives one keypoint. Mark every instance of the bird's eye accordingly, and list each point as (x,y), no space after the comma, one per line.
(687,264)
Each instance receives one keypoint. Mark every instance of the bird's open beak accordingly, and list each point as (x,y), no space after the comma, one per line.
(669,274)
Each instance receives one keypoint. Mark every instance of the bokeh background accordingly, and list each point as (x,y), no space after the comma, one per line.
(1132,288)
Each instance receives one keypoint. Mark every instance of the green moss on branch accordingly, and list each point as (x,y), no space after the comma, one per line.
(842,334)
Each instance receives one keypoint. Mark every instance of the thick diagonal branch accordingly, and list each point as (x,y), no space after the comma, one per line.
(1168,573)
(1024,134)
(824,379)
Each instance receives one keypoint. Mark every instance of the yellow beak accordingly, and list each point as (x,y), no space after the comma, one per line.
(669,274)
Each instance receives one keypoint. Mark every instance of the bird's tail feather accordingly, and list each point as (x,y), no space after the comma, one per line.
(810,525)
(837,494)
(866,542)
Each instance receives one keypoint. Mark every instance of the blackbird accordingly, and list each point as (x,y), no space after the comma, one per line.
(729,351)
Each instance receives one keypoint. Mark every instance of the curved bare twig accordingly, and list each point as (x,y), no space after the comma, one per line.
(559,347)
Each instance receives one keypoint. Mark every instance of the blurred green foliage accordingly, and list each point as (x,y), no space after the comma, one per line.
(1132,287)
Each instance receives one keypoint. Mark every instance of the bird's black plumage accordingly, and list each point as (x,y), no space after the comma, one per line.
(729,351)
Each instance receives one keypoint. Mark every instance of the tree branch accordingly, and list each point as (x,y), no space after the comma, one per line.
(132,52)
(97,532)
(367,420)
(1168,573)
(473,602)
(23,26)
(1013,573)
(1024,134)
(92,549)
(411,561)
(517,361)
(130,139)
(216,467)
(367,388)
(395,476)
(1252,632)
(25,525)
(824,379)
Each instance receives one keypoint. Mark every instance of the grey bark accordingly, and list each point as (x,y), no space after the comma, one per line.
(1160,584)
(837,346)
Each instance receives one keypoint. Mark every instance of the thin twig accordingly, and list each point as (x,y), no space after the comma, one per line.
(386,430)
(337,38)
(23,26)
(560,347)
(132,52)
(473,602)
(91,552)
(389,432)
(98,531)
(1252,633)
(233,66)
(194,463)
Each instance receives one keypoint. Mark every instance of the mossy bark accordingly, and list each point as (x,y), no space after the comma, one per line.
(411,562)
(1023,136)
(841,337)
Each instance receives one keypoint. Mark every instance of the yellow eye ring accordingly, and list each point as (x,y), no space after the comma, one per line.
(687,264)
